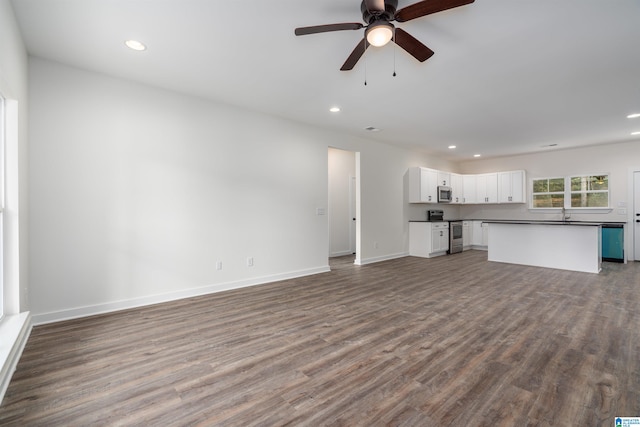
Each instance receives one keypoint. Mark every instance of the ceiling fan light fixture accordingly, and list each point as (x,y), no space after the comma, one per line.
(379,34)
(135,45)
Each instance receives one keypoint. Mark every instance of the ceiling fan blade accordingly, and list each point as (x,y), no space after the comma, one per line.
(427,7)
(327,28)
(355,56)
(412,45)
(374,5)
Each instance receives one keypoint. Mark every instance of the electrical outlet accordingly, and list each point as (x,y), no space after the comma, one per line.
(218,265)
(375,245)
(250,261)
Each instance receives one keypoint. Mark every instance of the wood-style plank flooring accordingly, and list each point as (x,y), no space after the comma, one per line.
(452,340)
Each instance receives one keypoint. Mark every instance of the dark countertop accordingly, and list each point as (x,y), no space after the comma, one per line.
(543,222)
(533,221)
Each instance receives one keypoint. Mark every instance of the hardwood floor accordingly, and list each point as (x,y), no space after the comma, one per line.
(445,341)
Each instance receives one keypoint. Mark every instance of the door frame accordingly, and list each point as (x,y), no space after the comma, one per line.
(630,234)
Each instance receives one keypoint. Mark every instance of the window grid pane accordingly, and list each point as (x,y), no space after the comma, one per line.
(548,193)
(590,191)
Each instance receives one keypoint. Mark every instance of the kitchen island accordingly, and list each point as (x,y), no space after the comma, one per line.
(564,245)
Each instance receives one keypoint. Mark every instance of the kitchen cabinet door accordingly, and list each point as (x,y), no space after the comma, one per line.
(480,235)
(469,190)
(487,188)
(423,185)
(439,238)
(444,178)
(467,233)
(485,234)
(511,187)
(457,193)
(476,235)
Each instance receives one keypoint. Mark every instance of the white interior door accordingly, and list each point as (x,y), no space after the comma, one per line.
(636,215)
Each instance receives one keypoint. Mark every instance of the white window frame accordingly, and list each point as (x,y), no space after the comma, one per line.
(564,192)
(571,192)
(567,194)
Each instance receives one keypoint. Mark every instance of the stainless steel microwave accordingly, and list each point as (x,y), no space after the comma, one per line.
(444,194)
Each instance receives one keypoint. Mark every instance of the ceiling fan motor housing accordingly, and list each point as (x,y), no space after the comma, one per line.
(390,7)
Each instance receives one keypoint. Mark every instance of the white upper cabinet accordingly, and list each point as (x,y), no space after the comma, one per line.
(511,187)
(487,188)
(498,187)
(470,194)
(457,194)
(444,179)
(423,185)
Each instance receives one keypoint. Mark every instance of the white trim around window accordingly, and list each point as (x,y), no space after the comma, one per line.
(594,187)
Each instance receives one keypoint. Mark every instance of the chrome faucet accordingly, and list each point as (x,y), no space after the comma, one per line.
(565,217)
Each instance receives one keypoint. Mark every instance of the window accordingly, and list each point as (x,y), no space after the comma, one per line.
(575,192)
(548,193)
(591,191)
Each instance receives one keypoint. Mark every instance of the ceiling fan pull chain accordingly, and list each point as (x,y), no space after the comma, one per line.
(365,61)
(394,51)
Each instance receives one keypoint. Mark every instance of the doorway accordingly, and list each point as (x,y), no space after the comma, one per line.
(343,201)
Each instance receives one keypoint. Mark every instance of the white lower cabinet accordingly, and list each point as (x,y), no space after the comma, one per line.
(428,239)
(480,235)
(467,232)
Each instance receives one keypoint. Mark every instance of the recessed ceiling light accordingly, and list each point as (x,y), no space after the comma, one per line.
(135,45)
(334,109)
(372,129)
(635,133)
(633,116)
(451,147)
(476,155)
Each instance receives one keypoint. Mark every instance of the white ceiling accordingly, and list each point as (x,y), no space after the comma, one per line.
(507,76)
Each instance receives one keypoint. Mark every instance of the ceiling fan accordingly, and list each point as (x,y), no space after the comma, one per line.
(378,15)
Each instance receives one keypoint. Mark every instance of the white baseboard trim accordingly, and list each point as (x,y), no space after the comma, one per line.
(14,330)
(380,258)
(74,313)
(341,253)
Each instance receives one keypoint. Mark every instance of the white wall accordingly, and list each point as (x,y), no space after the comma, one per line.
(15,326)
(14,88)
(342,168)
(136,192)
